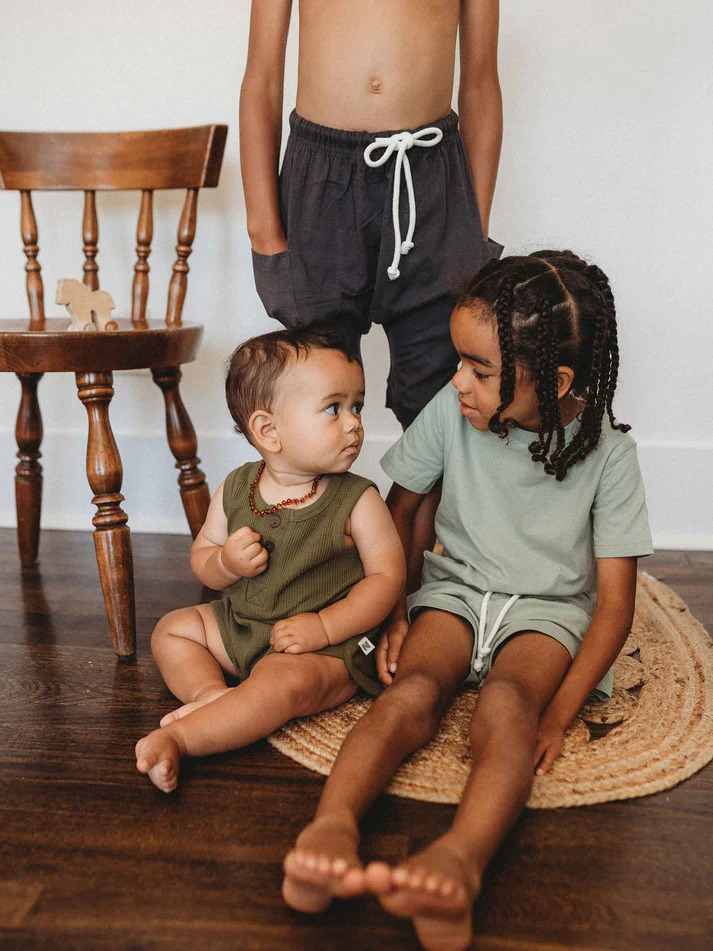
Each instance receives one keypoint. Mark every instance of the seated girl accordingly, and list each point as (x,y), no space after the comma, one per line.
(542,518)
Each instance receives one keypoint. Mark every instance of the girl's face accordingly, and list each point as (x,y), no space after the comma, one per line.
(474,333)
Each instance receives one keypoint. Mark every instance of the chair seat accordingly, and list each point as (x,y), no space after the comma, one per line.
(54,349)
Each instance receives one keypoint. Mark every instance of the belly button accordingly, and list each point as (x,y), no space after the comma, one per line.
(376,85)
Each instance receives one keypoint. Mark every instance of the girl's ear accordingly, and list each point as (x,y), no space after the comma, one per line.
(263,431)
(565,378)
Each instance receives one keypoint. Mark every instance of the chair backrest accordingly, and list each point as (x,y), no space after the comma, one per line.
(113,161)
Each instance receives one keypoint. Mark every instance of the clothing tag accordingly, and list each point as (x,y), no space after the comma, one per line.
(366,645)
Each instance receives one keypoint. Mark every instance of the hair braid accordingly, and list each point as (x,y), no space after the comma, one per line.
(503,313)
(546,381)
(599,278)
(552,309)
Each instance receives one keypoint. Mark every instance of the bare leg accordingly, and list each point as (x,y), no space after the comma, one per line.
(436,888)
(433,662)
(190,654)
(280,687)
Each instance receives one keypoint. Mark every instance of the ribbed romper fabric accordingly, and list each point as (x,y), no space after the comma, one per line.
(309,567)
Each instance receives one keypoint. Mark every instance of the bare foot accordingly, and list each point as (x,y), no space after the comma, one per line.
(159,754)
(204,697)
(318,868)
(435,888)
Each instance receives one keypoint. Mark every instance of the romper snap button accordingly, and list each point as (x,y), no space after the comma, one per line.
(268,546)
(275,521)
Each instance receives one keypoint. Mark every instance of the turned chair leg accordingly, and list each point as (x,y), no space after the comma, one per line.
(184,446)
(112,539)
(28,472)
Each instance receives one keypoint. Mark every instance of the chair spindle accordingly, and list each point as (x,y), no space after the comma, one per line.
(144,236)
(35,289)
(179,279)
(90,234)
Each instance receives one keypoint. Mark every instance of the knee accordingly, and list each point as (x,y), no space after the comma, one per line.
(301,685)
(185,622)
(505,704)
(416,701)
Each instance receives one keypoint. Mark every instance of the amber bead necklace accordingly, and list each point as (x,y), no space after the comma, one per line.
(284,502)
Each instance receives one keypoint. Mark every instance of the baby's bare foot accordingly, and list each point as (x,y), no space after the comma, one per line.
(204,697)
(159,754)
(436,889)
(321,865)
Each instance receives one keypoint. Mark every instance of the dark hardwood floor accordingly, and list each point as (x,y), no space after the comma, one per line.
(92,856)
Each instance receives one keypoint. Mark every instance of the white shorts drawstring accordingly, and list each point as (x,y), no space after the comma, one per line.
(400,142)
(483,644)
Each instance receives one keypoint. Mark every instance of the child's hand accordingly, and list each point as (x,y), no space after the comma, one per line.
(243,555)
(298,634)
(389,648)
(550,739)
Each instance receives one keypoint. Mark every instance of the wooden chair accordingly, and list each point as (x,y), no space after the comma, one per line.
(91,162)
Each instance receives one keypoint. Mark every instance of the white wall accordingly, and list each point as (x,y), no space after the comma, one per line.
(608,150)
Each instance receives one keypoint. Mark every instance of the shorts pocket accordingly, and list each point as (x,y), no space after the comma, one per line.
(491,249)
(275,286)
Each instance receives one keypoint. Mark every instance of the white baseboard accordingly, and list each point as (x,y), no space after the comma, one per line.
(677,477)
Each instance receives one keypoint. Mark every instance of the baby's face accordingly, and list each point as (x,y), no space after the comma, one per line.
(317,413)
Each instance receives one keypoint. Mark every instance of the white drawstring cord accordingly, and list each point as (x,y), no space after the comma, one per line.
(400,142)
(484,645)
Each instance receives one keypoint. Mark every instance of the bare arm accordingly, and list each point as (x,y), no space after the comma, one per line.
(403,504)
(261,97)
(219,559)
(480,103)
(371,600)
(605,637)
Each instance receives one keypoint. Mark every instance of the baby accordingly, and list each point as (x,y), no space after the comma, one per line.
(308,551)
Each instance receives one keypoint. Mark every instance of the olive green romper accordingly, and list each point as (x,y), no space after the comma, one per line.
(309,567)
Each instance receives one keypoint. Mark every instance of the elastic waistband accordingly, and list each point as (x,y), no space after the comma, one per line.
(345,140)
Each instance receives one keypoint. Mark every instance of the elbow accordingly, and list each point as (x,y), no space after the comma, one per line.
(262,88)
(480,91)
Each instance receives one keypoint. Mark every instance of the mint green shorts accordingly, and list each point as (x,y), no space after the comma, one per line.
(564,619)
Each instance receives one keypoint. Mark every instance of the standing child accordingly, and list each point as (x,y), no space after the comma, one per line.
(308,550)
(365,225)
(542,518)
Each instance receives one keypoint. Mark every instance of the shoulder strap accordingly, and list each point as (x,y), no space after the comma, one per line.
(350,490)
(237,485)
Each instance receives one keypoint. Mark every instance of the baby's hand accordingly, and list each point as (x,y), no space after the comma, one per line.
(389,648)
(297,634)
(243,555)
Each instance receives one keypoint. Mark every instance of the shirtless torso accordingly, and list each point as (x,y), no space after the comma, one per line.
(379,65)
(367,65)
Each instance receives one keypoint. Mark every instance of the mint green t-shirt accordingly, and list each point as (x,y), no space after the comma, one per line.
(508,526)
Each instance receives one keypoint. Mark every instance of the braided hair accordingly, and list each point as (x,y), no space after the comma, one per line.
(553,309)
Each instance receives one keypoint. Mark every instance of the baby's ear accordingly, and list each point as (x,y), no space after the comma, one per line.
(263,431)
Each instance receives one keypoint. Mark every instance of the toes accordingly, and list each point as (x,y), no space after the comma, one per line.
(378,877)
(339,866)
(145,760)
(169,718)
(432,884)
(416,879)
(353,882)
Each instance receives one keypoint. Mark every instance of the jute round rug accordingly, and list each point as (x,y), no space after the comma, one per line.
(656,730)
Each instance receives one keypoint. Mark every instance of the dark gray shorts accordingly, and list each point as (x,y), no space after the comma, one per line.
(337,215)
